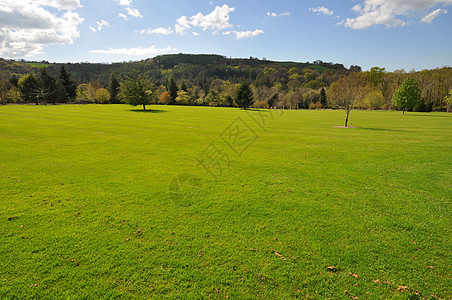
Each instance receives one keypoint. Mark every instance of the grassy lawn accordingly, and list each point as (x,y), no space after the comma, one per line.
(104,201)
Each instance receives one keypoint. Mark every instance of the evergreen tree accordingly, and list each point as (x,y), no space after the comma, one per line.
(172,88)
(183,86)
(244,96)
(323,99)
(69,85)
(47,87)
(113,89)
(14,80)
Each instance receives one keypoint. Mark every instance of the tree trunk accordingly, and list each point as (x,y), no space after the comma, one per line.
(346,118)
(403,111)
(144,107)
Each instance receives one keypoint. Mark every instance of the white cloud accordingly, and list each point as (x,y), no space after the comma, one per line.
(322,10)
(134,12)
(101,24)
(26,27)
(195,33)
(127,4)
(60,4)
(274,15)
(244,34)
(159,30)
(433,15)
(391,12)
(139,51)
(217,20)
(182,24)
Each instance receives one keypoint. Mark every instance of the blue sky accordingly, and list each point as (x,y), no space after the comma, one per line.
(397,34)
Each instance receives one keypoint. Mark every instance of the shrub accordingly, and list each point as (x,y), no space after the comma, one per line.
(316,105)
(261,104)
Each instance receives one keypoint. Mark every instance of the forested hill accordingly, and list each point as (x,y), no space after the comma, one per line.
(198,69)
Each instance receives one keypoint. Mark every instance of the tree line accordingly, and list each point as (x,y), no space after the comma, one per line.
(284,86)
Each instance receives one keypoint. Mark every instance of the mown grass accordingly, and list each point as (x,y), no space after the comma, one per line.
(111,202)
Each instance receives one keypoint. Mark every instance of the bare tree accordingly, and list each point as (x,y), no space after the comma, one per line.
(345,92)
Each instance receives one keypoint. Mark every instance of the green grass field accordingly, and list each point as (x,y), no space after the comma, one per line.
(104,201)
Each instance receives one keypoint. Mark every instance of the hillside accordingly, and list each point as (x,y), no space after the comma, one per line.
(198,69)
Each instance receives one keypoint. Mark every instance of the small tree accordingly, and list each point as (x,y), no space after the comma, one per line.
(165,98)
(323,99)
(172,88)
(182,97)
(137,91)
(102,96)
(69,85)
(113,89)
(86,93)
(407,95)
(47,90)
(5,87)
(27,85)
(345,92)
(244,96)
(448,100)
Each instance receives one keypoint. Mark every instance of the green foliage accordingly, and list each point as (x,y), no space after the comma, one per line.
(172,88)
(28,85)
(113,89)
(244,97)
(69,85)
(102,96)
(407,95)
(5,87)
(323,98)
(422,106)
(137,91)
(86,93)
(373,100)
(448,100)
(182,97)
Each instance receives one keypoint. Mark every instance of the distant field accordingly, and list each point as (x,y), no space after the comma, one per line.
(104,201)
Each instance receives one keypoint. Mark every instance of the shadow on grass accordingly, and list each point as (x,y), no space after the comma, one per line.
(383,129)
(151,111)
(255,109)
(445,115)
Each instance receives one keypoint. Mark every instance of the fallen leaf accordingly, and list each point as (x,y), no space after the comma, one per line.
(403,288)
(252,249)
(332,268)
(387,282)
(278,254)
(414,242)
(377,281)
(200,254)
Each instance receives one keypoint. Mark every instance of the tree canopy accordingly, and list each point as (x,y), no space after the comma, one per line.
(244,97)
(137,91)
(407,95)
